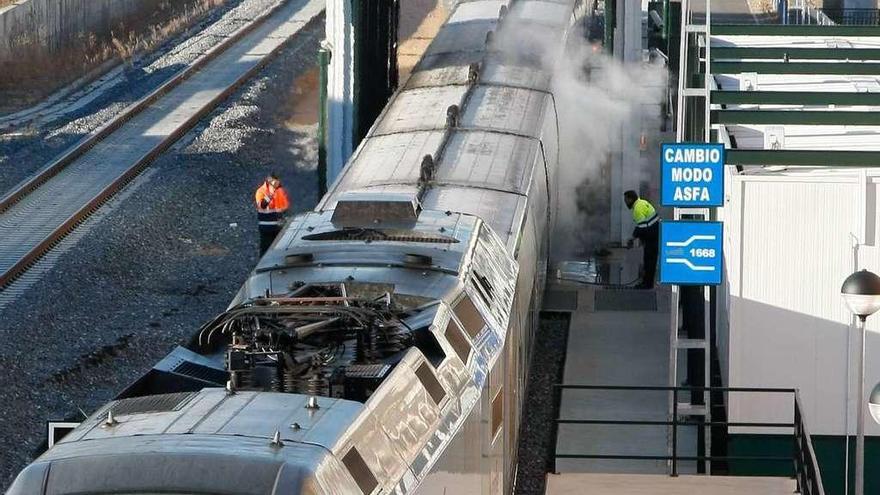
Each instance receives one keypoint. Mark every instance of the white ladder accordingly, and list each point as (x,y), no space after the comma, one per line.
(676,343)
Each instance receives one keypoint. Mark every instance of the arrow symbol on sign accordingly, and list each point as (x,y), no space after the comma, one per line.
(692,239)
(698,268)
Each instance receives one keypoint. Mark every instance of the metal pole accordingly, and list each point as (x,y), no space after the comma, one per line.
(847,426)
(707,76)
(683,71)
(673,366)
(610,24)
(665,28)
(860,417)
(324,64)
(798,464)
(707,372)
(675,432)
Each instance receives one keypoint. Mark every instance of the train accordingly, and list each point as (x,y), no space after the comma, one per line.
(381,345)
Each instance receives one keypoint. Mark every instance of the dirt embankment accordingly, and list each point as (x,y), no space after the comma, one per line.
(34,63)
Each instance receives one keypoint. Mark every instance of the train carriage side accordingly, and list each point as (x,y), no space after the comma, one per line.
(483,122)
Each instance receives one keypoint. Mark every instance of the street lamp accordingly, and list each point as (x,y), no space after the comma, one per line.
(861,292)
(874,403)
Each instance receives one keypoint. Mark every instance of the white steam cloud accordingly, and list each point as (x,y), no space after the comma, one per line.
(595,96)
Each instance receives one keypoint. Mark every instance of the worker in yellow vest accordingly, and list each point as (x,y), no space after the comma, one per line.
(647,230)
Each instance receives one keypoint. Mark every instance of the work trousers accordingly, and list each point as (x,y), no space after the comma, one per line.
(268,233)
(271,223)
(650,237)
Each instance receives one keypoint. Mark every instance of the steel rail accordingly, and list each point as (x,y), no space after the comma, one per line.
(125,173)
(80,148)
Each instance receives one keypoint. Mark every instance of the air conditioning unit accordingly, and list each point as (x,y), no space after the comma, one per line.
(748,81)
(774,137)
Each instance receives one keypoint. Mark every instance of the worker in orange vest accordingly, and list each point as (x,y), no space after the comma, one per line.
(272,204)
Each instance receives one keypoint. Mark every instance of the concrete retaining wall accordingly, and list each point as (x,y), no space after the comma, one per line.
(30,26)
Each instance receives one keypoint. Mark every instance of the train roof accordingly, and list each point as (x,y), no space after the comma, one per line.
(200,442)
(320,238)
(475,107)
(424,256)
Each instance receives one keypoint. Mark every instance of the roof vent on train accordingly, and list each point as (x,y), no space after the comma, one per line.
(427,169)
(473,73)
(151,403)
(417,259)
(387,235)
(357,209)
(452,116)
(299,258)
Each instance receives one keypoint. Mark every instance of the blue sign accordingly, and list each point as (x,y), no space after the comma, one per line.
(692,174)
(690,253)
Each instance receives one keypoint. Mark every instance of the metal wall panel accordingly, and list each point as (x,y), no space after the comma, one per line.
(490,160)
(392,158)
(502,211)
(504,108)
(789,246)
(476,11)
(420,109)
(462,37)
(494,71)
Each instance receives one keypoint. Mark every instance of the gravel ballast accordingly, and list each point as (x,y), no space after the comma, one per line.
(160,263)
(25,147)
(538,430)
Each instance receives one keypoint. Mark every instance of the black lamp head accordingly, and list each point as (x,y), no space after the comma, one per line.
(874,403)
(861,292)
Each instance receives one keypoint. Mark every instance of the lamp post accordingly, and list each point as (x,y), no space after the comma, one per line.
(861,292)
(874,403)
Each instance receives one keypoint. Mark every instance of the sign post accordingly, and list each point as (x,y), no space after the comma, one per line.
(690,252)
(692,177)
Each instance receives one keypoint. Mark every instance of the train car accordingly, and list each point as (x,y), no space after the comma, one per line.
(381,345)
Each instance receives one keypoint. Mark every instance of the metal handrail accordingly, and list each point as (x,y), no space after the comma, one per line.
(854,17)
(809,479)
(801,12)
(807,475)
(678,389)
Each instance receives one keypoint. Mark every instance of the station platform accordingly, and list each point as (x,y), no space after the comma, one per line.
(618,484)
(617,337)
(621,337)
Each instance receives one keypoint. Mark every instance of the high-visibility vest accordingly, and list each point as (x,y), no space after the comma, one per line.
(644,214)
(273,213)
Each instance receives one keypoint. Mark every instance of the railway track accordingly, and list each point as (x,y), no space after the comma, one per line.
(42,210)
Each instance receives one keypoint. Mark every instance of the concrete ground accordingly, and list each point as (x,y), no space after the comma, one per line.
(609,344)
(616,484)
